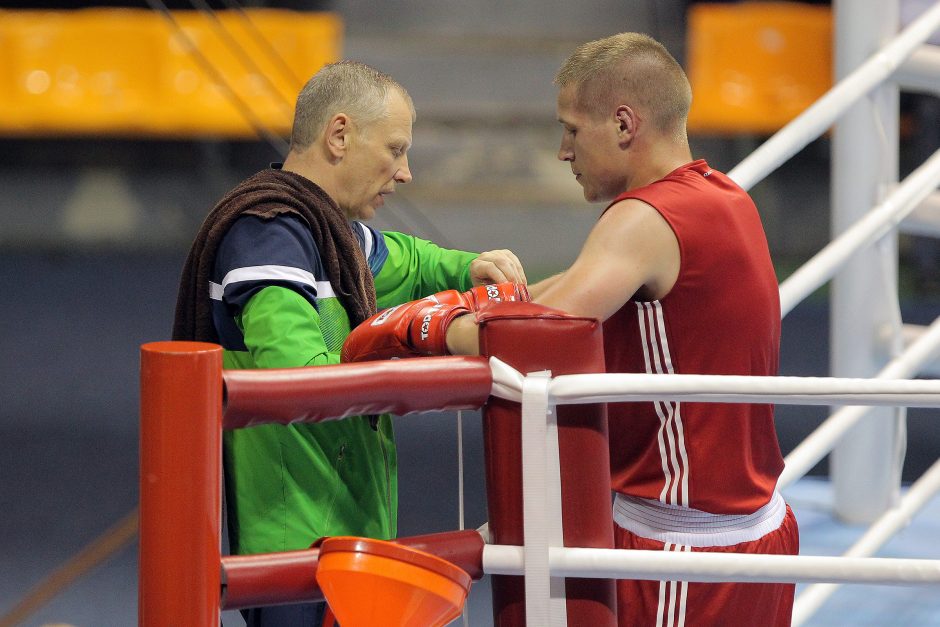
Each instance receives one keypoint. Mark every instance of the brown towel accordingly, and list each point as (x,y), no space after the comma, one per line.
(267,194)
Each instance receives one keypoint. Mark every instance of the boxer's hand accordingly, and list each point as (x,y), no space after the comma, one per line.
(420,327)
(497,266)
(407,330)
(495,292)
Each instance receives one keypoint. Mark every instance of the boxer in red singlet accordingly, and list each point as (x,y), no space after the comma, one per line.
(677,267)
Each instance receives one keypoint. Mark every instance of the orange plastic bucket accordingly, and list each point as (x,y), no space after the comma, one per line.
(373,582)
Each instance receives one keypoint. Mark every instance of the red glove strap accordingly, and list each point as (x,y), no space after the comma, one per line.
(429,328)
(495,292)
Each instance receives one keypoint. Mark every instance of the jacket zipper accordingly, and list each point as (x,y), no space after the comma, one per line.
(388,481)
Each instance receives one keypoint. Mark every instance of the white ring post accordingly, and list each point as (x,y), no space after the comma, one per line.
(864,167)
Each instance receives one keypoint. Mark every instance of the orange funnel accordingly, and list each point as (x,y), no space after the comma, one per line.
(373,582)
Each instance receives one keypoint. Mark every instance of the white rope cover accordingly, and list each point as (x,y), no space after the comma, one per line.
(541,492)
(617,387)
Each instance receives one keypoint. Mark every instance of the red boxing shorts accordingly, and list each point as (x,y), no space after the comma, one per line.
(690,604)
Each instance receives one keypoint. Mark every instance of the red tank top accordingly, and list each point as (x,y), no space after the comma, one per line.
(721,317)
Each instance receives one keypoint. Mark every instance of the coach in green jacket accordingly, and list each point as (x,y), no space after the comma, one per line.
(280,271)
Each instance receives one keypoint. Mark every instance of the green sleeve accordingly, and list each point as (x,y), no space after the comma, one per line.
(282,330)
(416,268)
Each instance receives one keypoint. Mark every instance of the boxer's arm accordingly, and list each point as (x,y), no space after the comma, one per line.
(463,336)
(537,289)
(631,248)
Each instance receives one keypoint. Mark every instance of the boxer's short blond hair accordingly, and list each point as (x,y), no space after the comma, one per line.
(632,69)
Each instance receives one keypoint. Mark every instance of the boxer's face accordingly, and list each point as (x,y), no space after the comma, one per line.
(589,145)
(376,160)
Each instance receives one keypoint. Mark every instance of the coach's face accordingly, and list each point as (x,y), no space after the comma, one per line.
(376,159)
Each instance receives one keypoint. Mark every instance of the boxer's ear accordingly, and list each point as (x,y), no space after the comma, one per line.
(627,123)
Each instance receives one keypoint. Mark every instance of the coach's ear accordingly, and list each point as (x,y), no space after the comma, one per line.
(337,136)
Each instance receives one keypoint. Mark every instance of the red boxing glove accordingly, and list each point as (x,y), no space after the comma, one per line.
(407,330)
(495,292)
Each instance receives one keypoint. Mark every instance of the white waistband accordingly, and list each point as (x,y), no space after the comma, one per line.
(692,527)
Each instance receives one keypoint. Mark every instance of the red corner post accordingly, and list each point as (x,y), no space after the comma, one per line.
(531,338)
(180,484)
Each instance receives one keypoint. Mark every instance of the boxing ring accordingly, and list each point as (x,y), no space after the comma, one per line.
(183,576)
(543,403)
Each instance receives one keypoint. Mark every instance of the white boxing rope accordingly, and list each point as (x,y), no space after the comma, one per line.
(819,116)
(617,387)
(716,567)
(878,222)
(924,220)
(620,387)
(823,439)
(921,72)
(543,554)
(892,521)
(910,333)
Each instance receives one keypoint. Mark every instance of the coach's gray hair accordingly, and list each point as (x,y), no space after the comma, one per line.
(630,68)
(349,87)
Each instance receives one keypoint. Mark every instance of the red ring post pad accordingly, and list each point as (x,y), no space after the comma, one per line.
(291,576)
(530,338)
(398,386)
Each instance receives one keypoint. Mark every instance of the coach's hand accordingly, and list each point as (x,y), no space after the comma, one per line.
(497,266)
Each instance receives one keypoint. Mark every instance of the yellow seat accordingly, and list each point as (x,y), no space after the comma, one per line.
(128,72)
(754,66)
(198,101)
(59,78)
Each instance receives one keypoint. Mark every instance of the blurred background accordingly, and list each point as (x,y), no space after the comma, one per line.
(122,123)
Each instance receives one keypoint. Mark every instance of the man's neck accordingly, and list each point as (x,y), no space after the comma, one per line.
(307,166)
(657,161)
